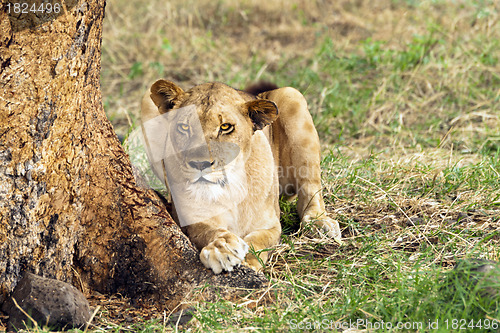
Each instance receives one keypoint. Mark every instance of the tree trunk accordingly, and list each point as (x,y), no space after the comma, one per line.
(69,205)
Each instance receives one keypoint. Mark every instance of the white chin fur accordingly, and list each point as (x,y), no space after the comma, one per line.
(197,201)
(219,185)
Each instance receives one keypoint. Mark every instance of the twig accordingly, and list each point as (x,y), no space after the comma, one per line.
(91,318)
(26,314)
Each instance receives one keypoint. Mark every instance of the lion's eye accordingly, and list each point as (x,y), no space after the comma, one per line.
(226,127)
(183,128)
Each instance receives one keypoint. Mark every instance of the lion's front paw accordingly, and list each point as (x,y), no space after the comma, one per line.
(224,253)
(327,225)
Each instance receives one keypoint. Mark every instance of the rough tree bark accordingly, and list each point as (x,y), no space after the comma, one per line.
(69,206)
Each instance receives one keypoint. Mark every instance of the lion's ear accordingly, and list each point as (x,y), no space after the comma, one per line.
(164,94)
(262,112)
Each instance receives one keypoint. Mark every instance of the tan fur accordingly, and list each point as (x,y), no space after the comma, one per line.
(277,153)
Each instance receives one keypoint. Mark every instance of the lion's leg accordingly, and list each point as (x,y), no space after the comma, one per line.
(219,248)
(259,241)
(299,155)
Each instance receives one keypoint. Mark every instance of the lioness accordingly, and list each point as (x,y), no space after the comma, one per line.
(230,155)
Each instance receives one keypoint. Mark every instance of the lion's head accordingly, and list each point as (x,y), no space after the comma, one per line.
(210,129)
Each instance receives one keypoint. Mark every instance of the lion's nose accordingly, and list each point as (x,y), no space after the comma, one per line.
(200,165)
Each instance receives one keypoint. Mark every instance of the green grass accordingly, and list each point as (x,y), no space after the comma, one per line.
(405,96)
(379,286)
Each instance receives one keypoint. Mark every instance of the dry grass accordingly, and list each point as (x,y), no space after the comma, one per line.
(406,97)
(243,41)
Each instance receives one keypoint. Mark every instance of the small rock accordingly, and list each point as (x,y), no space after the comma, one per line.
(487,272)
(181,317)
(414,221)
(51,303)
